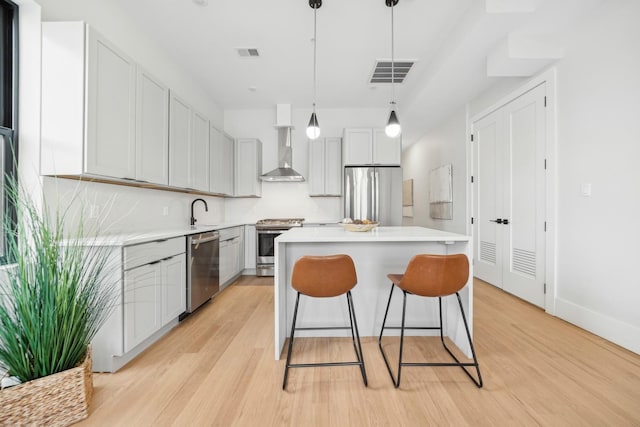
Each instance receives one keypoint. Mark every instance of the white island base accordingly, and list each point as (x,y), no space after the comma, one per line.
(375,253)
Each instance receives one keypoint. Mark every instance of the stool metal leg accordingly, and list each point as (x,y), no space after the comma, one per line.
(293,329)
(477,382)
(462,365)
(355,336)
(354,327)
(384,321)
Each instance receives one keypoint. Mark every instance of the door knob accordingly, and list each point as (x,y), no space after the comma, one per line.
(499,220)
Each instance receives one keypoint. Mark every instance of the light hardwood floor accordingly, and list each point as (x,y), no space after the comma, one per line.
(217,368)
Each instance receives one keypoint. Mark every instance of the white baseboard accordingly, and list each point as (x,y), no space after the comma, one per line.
(620,333)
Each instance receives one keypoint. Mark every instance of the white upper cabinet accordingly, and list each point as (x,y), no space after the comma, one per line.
(229,168)
(179,137)
(358,146)
(152,129)
(199,153)
(325,167)
(188,146)
(248,168)
(371,147)
(221,163)
(386,151)
(111,86)
(109,95)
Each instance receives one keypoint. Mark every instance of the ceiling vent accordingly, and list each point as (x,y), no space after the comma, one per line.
(382,71)
(243,51)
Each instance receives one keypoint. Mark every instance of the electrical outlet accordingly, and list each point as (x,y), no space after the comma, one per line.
(165,210)
(94,211)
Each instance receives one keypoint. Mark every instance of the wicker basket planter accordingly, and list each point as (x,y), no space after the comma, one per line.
(55,400)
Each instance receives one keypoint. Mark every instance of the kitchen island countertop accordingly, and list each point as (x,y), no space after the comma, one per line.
(378,234)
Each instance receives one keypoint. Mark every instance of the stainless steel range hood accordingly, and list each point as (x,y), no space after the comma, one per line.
(284,172)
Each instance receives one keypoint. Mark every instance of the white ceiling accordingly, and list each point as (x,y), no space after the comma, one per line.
(449,39)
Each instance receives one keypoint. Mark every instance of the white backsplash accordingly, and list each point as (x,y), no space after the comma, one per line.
(114,209)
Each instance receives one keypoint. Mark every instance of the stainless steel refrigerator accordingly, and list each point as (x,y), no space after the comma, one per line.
(374,193)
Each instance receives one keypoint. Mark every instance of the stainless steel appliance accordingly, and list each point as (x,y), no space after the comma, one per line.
(373,193)
(203,272)
(266,232)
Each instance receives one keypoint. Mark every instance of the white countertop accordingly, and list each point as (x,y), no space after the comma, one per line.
(378,234)
(126,239)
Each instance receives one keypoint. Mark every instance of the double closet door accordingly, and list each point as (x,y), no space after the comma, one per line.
(509,169)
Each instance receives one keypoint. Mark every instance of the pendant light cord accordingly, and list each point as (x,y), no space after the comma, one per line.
(393,71)
(315,11)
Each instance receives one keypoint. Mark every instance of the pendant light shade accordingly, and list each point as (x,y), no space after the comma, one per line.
(313,129)
(393,128)
(393,125)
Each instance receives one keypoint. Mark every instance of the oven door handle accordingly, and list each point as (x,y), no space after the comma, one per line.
(270,231)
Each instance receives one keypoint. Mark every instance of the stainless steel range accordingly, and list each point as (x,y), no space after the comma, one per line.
(266,232)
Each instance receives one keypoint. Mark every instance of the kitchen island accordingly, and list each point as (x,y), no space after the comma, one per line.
(375,253)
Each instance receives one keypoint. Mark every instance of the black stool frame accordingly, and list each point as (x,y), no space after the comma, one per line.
(355,337)
(402,328)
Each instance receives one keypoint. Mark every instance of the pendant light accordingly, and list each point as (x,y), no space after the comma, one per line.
(393,125)
(313,128)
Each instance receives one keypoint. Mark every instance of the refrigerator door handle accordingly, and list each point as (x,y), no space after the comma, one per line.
(376,196)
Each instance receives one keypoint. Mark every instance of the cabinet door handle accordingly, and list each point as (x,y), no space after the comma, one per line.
(505,221)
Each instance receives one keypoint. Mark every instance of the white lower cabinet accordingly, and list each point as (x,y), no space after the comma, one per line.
(154,284)
(231,254)
(174,285)
(141,304)
(250,243)
(152,297)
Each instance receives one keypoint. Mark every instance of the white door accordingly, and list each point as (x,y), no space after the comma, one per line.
(488,198)
(509,196)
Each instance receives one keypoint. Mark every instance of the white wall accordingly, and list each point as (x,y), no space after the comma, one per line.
(599,143)
(127,209)
(598,100)
(445,144)
(291,199)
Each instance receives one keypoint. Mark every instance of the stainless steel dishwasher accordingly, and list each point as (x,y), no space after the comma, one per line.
(203,272)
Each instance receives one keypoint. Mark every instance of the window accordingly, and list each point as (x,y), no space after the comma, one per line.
(8,114)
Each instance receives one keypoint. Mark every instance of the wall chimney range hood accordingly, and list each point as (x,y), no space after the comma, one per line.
(284,172)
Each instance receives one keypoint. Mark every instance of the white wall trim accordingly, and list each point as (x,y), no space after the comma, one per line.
(610,329)
(549,77)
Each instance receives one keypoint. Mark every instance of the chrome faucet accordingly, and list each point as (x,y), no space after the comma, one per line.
(206,208)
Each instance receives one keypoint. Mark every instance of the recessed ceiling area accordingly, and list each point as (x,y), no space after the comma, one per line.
(460,48)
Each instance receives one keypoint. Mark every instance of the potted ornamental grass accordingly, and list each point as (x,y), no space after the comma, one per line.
(54,297)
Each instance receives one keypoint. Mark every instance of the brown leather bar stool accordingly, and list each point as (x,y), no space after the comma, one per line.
(323,277)
(431,276)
